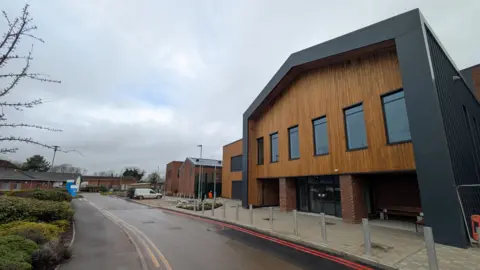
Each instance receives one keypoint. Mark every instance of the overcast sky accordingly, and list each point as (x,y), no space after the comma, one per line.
(144,82)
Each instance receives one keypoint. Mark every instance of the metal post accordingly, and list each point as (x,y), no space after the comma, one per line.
(237,213)
(251,214)
(295,223)
(225,211)
(203,208)
(430,245)
(271,218)
(213,209)
(367,243)
(324,227)
(195,206)
(214,182)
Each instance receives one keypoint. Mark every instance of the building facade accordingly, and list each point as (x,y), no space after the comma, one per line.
(110,182)
(356,127)
(232,170)
(204,170)
(472,77)
(172,177)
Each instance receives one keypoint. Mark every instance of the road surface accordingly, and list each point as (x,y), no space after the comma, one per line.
(112,233)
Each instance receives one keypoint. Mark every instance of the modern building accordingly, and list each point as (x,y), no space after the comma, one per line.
(194,169)
(232,170)
(172,177)
(373,123)
(472,77)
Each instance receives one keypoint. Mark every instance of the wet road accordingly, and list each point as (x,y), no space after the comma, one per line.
(164,240)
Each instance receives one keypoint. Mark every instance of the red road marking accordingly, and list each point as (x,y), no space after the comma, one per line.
(316,253)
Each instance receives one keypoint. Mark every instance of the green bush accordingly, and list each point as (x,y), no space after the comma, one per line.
(50,254)
(16,252)
(40,233)
(130,193)
(51,195)
(14,208)
(62,224)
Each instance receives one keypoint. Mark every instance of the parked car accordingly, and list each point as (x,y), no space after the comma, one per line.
(146,193)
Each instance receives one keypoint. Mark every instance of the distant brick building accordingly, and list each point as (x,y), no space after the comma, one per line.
(172,176)
(109,182)
(189,175)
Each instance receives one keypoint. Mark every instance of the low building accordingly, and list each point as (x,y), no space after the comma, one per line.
(232,170)
(110,182)
(172,177)
(376,122)
(13,178)
(195,170)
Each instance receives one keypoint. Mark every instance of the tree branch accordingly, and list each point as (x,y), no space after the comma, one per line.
(20,105)
(23,140)
(31,126)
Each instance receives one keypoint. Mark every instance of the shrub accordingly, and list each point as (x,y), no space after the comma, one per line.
(50,254)
(14,208)
(51,195)
(62,224)
(103,189)
(15,252)
(40,233)
(130,193)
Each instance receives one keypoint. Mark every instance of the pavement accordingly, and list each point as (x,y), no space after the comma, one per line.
(392,248)
(113,233)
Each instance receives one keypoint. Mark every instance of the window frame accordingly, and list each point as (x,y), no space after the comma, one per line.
(278,150)
(289,143)
(263,151)
(231,167)
(346,130)
(385,127)
(313,133)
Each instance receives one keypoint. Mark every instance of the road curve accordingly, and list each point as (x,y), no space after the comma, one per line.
(165,240)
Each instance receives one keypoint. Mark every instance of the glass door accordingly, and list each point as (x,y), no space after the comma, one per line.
(302,194)
(316,200)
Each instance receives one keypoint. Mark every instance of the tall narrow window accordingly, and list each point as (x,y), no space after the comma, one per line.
(294,150)
(274,147)
(260,151)
(355,128)
(396,119)
(236,163)
(320,136)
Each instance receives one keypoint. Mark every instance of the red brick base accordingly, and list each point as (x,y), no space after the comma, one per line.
(353,203)
(288,194)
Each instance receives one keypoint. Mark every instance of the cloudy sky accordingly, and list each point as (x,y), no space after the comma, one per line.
(144,82)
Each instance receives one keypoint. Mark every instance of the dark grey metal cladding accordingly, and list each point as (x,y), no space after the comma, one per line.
(245,162)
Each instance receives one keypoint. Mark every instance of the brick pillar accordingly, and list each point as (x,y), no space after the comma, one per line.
(288,194)
(353,202)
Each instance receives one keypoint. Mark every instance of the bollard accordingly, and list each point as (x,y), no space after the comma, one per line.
(367,243)
(251,214)
(203,208)
(237,213)
(225,211)
(213,209)
(430,245)
(271,218)
(295,223)
(195,206)
(324,227)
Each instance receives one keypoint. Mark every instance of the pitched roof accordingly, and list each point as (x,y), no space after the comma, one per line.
(205,162)
(16,174)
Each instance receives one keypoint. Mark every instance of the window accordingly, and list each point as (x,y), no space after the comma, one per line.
(4,186)
(17,186)
(396,120)
(236,163)
(260,151)
(274,147)
(294,150)
(355,128)
(320,136)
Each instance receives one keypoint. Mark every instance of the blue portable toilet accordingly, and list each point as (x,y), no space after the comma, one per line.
(69,184)
(73,190)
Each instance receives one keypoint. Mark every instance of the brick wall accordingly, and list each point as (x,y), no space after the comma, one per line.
(288,194)
(108,181)
(353,202)
(172,176)
(26,184)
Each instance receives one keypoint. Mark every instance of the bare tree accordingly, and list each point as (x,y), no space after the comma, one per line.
(68,168)
(18,28)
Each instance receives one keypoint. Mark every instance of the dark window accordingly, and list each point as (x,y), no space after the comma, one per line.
(396,120)
(236,163)
(294,150)
(355,128)
(320,136)
(260,151)
(274,147)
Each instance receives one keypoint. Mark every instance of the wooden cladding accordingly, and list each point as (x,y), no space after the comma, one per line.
(229,151)
(326,92)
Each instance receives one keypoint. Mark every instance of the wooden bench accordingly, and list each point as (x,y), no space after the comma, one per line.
(401,211)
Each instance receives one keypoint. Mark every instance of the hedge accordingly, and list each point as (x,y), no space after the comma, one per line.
(15,208)
(49,194)
(16,252)
(40,233)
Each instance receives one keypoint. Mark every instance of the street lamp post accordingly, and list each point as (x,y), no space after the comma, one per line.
(200,175)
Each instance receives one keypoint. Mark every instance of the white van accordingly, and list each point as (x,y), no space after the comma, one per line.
(146,193)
